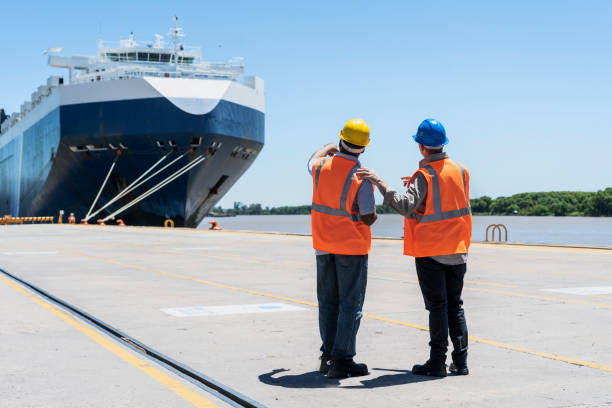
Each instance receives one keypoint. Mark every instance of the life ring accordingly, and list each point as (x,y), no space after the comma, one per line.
(169,223)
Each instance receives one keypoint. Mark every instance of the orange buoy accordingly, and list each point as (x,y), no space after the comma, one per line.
(214,225)
(120,223)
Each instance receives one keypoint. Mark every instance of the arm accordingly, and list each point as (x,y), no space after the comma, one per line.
(328,150)
(404,204)
(366,204)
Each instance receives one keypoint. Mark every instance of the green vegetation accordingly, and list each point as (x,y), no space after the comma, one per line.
(257,209)
(559,203)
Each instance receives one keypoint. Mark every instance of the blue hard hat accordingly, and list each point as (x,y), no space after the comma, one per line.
(431,133)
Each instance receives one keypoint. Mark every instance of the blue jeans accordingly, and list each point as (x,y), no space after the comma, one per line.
(341,285)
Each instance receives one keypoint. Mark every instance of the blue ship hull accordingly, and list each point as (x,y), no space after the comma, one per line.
(48,168)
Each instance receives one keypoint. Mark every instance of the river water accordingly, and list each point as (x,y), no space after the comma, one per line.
(532,230)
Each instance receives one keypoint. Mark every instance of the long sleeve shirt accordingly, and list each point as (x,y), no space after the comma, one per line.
(414,200)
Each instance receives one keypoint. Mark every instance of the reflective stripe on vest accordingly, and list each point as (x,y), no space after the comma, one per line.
(318,171)
(345,190)
(438,214)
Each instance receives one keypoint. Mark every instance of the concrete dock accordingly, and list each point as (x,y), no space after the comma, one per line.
(240,308)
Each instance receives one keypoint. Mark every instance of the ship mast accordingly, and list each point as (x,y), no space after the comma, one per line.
(175,33)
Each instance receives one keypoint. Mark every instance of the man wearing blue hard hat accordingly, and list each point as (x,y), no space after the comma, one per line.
(437,233)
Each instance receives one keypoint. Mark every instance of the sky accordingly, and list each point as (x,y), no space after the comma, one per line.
(523,88)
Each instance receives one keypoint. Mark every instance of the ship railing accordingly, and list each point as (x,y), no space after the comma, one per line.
(130,45)
(138,72)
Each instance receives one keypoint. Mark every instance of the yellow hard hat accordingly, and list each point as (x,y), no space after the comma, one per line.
(357,132)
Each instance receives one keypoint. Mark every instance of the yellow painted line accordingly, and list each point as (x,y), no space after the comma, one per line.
(189,278)
(601,296)
(504,292)
(178,388)
(545,247)
(554,299)
(545,355)
(501,285)
(367,315)
(399,240)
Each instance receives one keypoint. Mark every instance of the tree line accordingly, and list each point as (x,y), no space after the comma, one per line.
(557,203)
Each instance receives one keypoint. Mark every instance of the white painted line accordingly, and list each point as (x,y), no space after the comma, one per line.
(593,290)
(195,248)
(30,253)
(232,309)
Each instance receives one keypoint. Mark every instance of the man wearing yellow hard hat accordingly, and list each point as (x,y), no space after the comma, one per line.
(342,211)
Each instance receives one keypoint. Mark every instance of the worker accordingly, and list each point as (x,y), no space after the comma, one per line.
(437,232)
(342,211)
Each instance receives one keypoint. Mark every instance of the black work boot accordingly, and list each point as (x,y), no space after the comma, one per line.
(325,363)
(346,368)
(459,369)
(430,368)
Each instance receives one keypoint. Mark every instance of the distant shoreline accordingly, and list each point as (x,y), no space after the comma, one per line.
(555,203)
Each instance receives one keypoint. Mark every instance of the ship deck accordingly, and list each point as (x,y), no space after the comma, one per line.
(530,346)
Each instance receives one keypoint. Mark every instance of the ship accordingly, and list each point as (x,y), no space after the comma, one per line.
(143,132)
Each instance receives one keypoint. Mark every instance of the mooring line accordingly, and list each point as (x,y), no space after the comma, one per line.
(208,384)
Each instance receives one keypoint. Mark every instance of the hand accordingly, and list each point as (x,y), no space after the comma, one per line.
(369,174)
(406,180)
(330,149)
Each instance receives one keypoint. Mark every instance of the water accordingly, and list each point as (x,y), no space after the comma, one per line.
(533,230)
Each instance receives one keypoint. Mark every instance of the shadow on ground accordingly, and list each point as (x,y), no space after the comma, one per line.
(314,379)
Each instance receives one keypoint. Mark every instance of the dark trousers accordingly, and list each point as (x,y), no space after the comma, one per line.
(441,286)
(341,285)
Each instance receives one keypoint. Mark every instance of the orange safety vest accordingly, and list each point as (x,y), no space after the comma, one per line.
(446,225)
(336,227)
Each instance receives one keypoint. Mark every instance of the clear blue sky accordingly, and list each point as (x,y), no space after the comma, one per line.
(523,88)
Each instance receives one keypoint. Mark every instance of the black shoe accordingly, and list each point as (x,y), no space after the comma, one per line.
(325,363)
(458,369)
(346,368)
(431,369)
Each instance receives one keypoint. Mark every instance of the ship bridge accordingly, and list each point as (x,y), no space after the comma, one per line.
(129,58)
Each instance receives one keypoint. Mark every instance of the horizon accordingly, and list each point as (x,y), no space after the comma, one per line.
(522,89)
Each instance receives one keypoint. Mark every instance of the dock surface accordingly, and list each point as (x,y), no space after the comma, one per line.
(240,308)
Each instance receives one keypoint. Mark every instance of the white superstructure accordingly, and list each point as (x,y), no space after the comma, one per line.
(130,59)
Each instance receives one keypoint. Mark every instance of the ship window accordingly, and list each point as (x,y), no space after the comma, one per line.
(188,60)
(165,58)
(113,56)
(142,56)
(154,57)
(131,56)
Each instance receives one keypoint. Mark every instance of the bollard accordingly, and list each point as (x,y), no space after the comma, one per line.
(214,226)
(61,216)
(497,227)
